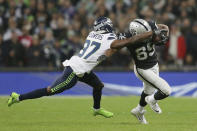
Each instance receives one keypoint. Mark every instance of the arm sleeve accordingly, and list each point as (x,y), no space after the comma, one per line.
(108,41)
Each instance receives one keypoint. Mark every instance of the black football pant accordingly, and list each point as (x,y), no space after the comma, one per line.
(66,81)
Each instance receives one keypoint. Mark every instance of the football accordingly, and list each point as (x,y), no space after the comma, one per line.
(161,38)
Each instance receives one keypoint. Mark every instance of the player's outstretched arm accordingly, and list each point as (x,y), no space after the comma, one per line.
(117,44)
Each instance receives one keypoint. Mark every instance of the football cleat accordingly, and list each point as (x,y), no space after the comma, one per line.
(14,98)
(153,104)
(139,115)
(102,112)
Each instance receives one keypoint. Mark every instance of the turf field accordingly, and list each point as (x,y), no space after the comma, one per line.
(74,114)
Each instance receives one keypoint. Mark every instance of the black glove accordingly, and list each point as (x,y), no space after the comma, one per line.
(162,34)
(163,41)
(123,35)
(159,32)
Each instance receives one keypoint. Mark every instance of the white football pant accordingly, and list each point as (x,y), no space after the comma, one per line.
(152,81)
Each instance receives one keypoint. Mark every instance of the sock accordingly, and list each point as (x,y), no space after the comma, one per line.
(97,98)
(96,109)
(142,99)
(152,98)
(159,95)
(140,108)
(34,94)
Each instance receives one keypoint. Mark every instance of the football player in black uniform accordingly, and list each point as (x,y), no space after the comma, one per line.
(146,67)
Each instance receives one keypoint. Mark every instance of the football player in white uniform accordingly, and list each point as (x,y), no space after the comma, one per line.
(100,43)
(146,68)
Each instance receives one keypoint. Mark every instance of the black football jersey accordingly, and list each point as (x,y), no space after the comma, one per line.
(144,54)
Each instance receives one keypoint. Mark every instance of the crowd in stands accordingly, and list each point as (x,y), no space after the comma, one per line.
(43,33)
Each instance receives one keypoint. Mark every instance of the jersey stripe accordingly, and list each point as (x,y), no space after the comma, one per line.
(111,38)
(63,84)
(141,24)
(148,81)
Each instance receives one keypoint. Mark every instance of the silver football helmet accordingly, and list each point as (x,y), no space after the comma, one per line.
(139,26)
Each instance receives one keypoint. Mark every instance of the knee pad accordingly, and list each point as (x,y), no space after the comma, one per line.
(166,89)
(149,90)
(99,87)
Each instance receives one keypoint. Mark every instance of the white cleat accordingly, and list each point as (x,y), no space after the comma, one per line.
(139,115)
(153,104)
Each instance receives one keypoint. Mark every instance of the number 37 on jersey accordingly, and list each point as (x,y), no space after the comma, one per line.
(90,47)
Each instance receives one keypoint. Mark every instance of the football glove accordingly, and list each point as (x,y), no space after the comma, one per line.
(161,34)
(123,35)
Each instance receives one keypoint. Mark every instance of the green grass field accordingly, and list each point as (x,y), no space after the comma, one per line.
(75,114)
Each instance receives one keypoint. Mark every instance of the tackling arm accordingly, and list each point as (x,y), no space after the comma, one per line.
(117,44)
(110,52)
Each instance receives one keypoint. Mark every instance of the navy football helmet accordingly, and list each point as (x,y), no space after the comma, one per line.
(103,25)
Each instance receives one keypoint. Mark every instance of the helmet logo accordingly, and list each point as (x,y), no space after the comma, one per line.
(103,24)
(133,32)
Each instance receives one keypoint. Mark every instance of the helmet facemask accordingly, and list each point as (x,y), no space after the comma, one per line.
(103,25)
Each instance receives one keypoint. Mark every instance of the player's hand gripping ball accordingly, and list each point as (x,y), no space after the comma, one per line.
(160,36)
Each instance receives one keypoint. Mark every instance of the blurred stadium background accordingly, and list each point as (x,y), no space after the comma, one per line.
(37,35)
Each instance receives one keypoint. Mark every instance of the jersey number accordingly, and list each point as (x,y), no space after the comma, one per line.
(145,51)
(87,45)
